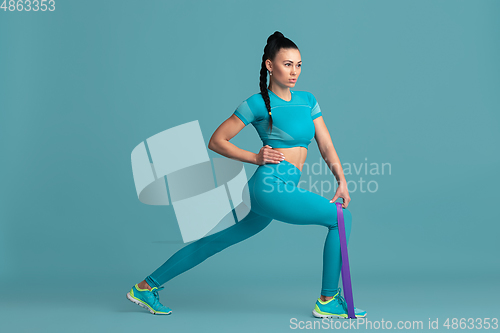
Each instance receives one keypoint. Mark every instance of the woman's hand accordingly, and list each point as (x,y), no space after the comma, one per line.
(269,155)
(343,193)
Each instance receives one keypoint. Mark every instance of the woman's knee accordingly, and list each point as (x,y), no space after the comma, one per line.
(208,246)
(347,215)
(238,232)
(333,223)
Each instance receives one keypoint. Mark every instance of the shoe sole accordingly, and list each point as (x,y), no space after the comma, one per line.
(319,315)
(144,305)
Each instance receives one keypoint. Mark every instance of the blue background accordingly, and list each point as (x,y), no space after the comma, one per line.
(410,83)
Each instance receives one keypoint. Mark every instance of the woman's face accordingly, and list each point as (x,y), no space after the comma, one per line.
(285,68)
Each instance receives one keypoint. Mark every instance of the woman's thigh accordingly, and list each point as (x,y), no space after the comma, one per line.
(288,203)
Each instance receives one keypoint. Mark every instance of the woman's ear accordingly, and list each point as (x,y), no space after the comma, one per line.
(269,65)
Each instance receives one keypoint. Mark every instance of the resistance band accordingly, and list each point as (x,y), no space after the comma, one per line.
(346,275)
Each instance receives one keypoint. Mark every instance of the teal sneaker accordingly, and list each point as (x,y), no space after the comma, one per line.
(335,308)
(148,299)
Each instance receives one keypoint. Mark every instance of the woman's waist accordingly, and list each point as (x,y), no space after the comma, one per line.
(294,155)
(283,170)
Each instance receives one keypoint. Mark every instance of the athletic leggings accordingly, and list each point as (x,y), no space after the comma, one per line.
(274,195)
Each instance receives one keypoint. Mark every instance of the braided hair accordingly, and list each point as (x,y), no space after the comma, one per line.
(275,43)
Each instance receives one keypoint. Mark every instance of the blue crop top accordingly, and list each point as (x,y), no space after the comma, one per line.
(292,120)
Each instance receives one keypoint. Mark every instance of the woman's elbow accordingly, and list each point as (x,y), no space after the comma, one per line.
(213,145)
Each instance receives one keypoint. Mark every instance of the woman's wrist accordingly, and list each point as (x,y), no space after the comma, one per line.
(342,182)
(255,158)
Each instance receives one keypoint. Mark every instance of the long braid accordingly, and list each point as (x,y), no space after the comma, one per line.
(275,43)
(264,92)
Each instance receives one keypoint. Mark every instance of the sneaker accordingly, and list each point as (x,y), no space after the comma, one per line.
(335,308)
(148,299)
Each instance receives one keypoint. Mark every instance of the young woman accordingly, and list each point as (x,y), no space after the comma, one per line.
(286,121)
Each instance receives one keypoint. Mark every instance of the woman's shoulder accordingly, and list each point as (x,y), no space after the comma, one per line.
(253,108)
(256,102)
(301,92)
(255,97)
(306,96)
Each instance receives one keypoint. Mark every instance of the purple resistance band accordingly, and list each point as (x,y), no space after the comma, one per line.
(346,275)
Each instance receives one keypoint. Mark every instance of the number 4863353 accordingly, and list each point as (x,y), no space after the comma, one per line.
(28,5)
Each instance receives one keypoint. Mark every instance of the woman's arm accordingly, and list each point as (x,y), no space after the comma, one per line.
(331,158)
(219,142)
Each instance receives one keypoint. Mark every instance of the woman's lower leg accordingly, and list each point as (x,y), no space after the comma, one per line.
(194,253)
(332,257)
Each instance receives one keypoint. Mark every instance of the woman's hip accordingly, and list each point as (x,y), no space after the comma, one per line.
(274,193)
(284,170)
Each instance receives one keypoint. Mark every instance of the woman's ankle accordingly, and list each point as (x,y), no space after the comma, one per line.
(144,285)
(325,298)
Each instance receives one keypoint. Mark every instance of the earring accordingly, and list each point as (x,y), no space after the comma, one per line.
(270,73)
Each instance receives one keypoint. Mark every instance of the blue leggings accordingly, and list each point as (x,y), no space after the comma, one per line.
(273,194)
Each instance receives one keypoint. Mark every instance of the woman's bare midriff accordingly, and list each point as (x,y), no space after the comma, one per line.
(295,155)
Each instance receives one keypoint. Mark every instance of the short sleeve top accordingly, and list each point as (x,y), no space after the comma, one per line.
(293,124)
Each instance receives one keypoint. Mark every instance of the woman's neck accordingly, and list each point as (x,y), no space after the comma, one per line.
(283,93)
